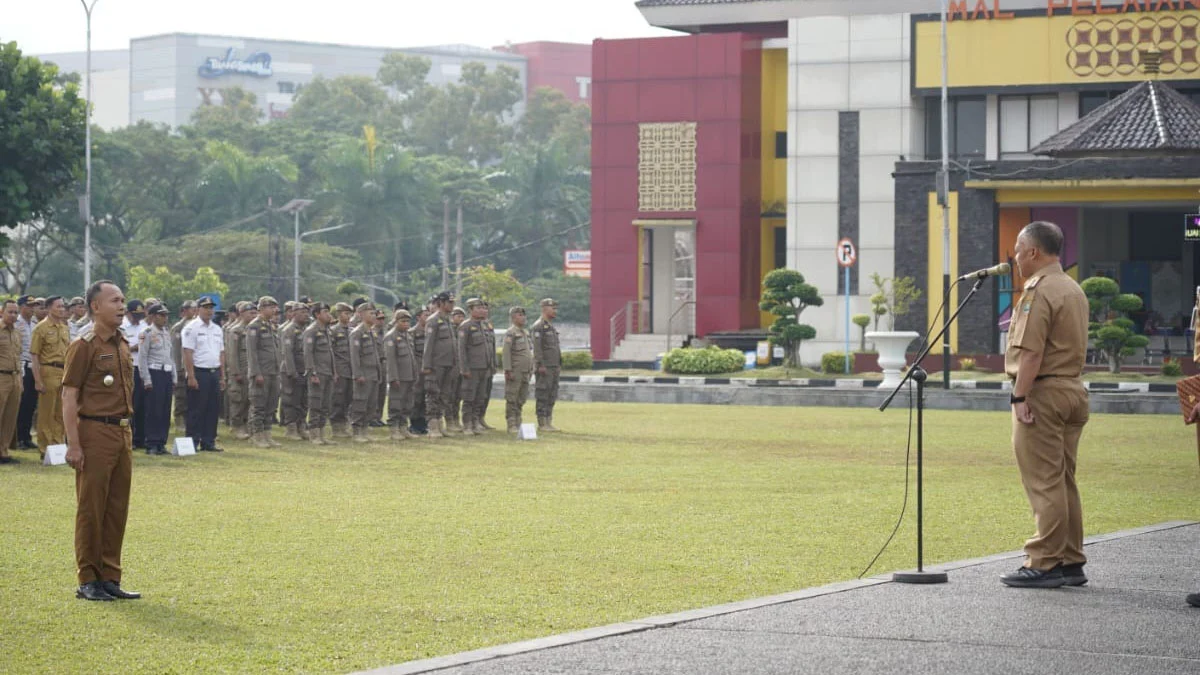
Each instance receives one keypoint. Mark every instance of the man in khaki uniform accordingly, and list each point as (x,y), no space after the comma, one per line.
(487,389)
(262,371)
(1047,346)
(439,364)
(454,416)
(343,385)
(187,312)
(517,359)
(417,333)
(10,379)
(293,385)
(365,351)
(229,397)
(48,351)
(547,360)
(318,368)
(477,361)
(236,361)
(381,328)
(402,371)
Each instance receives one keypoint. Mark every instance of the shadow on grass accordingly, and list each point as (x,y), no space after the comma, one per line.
(167,618)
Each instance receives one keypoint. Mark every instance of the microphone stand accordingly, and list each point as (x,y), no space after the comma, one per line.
(918,374)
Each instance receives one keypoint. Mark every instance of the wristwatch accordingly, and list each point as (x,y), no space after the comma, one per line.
(1013,400)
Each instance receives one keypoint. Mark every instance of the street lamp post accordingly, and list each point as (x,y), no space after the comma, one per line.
(944,197)
(294,207)
(87,154)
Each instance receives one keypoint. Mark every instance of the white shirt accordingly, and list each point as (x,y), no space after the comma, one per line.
(206,340)
(25,326)
(132,332)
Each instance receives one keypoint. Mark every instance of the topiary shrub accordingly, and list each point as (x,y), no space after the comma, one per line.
(577,360)
(833,363)
(1172,368)
(710,361)
(1112,331)
(966,364)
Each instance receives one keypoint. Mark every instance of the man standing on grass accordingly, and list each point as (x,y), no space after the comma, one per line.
(204,357)
(417,333)
(1047,346)
(158,378)
(29,395)
(438,363)
(10,379)
(518,367)
(319,369)
(547,359)
(97,404)
(262,372)
(401,374)
(187,312)
(48,351)
(343,390)
(365,351)
(477,360)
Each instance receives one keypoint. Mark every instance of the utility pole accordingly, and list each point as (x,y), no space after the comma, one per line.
(87,154)
(458,256)
(445,242)
(944,192)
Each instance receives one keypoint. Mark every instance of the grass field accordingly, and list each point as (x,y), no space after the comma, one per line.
(332,560)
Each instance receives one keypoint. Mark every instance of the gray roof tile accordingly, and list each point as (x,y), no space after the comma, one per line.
(1151,118)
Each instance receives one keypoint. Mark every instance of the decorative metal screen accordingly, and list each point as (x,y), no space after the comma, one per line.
(667,167)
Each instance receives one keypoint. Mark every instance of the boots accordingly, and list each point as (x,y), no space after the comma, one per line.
(302,430)
(240,433)
(324,438)
(435,428)
(468,425)
(483,424)
(404,432)
(513,426)
(316,436)
(360,436)
(479,427)
(261,440)
(340,431)
(542,423)
(271,439)
(550,423)
(292,434)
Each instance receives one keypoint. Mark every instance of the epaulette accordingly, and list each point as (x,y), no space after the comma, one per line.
(87,335)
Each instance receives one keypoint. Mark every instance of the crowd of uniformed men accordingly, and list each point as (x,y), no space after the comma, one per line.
(427,371)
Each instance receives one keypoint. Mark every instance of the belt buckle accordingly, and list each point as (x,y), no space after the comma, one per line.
(124,423)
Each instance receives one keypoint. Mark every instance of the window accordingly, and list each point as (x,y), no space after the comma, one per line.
(287,87)
(967,127)
(780,248)
(1026,121)
(780,145)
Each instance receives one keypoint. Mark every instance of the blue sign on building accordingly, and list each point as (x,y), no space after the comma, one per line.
(257,64)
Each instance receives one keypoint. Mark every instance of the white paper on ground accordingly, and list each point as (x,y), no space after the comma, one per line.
(183,447)
(56,455)
(528,432)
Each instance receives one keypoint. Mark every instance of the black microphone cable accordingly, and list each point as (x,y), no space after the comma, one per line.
(908,442)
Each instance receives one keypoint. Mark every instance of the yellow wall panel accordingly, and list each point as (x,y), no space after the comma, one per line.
(774,170)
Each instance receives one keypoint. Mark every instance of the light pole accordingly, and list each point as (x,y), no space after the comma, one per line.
(944,198)
(294,207)
(87,154)
(296,290)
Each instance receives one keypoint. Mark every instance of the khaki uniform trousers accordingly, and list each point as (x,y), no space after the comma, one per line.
(474,391)
(516,392)
(1046,453)
(10,403)
(439,391)
(320,402)
(456,400)
(263,402)
(49,411)
(547,392)
(294,393)
(239,394)
(362,408)
(102,500)
(181,390)
(343,394)
(400,403)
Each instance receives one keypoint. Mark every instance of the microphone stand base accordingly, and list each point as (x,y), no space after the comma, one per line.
(920,577)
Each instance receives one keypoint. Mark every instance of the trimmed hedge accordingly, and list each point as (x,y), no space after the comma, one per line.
(1172,369)
(580,360)
(833,363)
(710,361)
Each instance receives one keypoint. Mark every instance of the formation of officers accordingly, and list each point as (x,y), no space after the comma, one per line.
(323,372)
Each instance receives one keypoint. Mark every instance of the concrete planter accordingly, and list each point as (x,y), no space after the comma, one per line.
(892,347)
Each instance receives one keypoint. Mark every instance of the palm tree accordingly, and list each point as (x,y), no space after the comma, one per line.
(236,184)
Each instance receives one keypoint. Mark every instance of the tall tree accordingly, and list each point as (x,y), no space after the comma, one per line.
(342,105)
(467,119)
(236,184)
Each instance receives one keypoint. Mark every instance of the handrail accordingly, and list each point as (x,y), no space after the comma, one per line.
(618,319)
(671,320)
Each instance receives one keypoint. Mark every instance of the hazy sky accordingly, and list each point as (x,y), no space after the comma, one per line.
(44,26)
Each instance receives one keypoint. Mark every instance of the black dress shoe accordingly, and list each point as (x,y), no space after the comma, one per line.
(93,591)
(1194,599)
(26,445)
(9,460)
(212,448)
(113,588)
(1073,575)
(1027,577)
(160,450)
(150,451)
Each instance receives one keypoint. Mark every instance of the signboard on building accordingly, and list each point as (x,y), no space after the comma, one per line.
(577,264)
(1191,227)
(1096,43)
(257,64)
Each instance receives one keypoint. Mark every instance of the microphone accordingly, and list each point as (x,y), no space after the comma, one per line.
(997,271)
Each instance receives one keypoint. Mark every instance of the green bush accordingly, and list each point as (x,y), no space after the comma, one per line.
(1172,369)
(966,364)
(579,360)
(833,363)
(710,361)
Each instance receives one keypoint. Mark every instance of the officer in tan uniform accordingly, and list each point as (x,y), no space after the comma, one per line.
(364,366)
(477,361)
(517,360)
(381,328)
(454,417)
(487,388)
(262,371)
(187,312)
(417,333)
(48,351)
(237,360)
(10,379)
(402,372)
(343,386)
(547,360)
(318,368)
(293,384)
(439,364)
(1047,347)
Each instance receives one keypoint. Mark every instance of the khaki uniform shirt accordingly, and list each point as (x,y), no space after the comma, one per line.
(177,344)
(365,351)
(400,357)
(546,350)
(318,350)
(441,343)
(291,338)
(235,352)
(1051,318)
(417,333)
(262,349)
(10,350)
(476,346)
(339,336)
(518,350)
(49,342)
(89,360)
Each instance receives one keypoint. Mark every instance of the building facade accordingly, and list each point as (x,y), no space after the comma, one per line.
(827,126)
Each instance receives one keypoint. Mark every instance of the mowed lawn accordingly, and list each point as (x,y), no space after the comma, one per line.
(332,560)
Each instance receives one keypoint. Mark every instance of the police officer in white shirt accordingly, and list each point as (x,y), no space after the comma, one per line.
(158,377)
(204,359)
(131,328)
(29,394)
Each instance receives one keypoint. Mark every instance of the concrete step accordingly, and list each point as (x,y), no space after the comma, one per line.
(643,347)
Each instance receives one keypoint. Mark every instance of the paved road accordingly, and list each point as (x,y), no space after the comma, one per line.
(1131,619)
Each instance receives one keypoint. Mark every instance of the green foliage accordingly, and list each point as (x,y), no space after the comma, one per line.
(833,363)
(1171,368)
(350,288)
(782,288)
(966,364)
(893,297)
(710,361)
(577,360)
(862,321)
(172,288)
(572,293)
(41,137)
(1111,330)
(499,288)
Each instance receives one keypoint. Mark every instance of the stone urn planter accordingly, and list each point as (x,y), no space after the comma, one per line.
(892,347)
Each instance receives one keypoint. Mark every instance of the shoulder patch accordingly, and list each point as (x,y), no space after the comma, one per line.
(1032,283)
(87,335)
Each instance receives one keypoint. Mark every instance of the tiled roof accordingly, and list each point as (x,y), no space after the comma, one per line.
(676,3)
(1151,118)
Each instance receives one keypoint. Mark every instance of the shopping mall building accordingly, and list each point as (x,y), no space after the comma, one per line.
(778,127)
